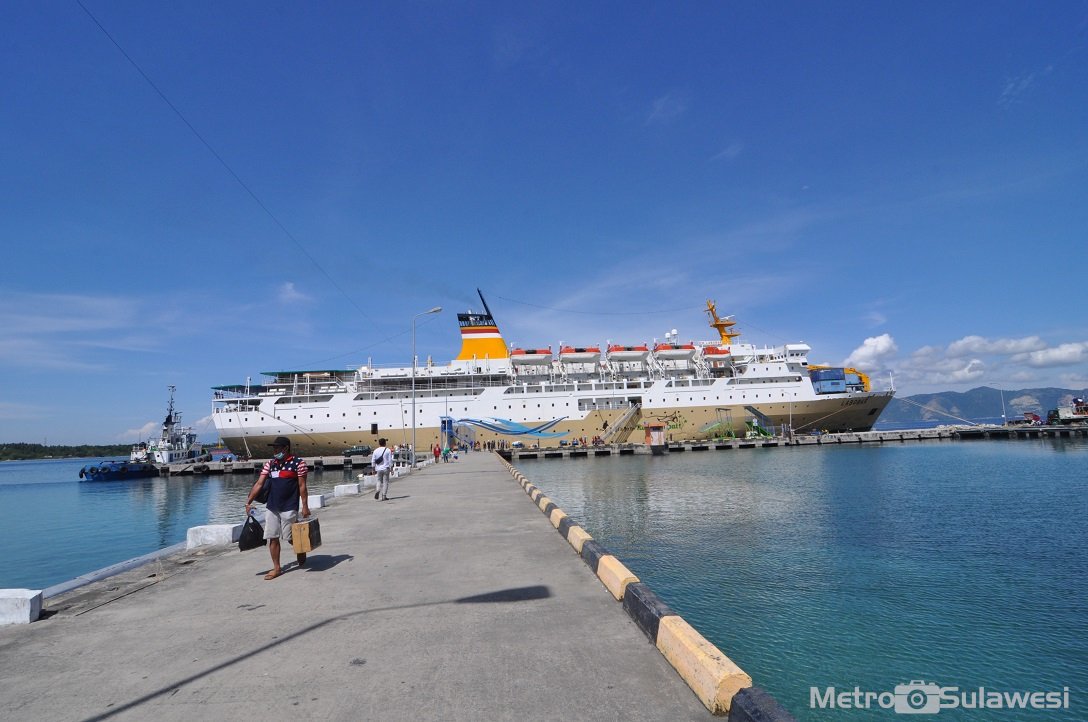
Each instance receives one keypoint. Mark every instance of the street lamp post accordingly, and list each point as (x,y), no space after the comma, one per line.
(436,309)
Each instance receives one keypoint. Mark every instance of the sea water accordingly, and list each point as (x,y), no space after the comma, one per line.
(57,527)
(958,563)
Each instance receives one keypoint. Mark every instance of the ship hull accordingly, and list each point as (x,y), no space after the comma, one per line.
(244,433)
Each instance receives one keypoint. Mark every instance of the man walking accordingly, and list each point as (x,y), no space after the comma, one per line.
(383,463)
(286,475)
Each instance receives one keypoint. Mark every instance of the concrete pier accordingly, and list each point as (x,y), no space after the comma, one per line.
(455,599)
(945,433)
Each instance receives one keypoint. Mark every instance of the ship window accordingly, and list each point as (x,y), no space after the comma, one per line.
(373,428)
(293,417)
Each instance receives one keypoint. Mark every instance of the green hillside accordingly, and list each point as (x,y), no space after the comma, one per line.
(18,450)
(978,403)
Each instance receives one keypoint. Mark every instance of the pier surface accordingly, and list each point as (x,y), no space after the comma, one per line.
(455,599)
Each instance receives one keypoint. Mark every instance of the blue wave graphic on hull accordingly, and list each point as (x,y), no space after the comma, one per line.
(512,428)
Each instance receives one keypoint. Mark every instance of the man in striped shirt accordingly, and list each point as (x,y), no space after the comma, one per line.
(286,475)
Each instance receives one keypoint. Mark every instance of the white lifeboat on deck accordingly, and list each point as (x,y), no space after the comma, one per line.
(531,356)
(628,353)
(579,355)
(674,351)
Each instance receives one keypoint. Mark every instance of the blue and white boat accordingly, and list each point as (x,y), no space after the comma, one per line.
(175,444)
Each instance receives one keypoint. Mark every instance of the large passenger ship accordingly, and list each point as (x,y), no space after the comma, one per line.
(497,395)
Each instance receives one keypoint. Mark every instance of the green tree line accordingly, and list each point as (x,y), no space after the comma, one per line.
(20,451)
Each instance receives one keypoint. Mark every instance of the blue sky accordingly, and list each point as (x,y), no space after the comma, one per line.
(902,186)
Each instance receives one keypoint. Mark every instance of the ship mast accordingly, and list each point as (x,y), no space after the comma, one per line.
(721,325)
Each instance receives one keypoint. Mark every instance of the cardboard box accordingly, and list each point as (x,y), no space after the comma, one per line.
(306,535)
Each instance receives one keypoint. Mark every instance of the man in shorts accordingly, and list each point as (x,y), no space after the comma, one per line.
(287,476)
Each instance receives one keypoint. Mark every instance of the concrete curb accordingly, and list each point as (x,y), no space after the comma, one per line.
(109,571)
(722,686)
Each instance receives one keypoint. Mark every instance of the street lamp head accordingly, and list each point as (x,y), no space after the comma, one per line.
(436,309)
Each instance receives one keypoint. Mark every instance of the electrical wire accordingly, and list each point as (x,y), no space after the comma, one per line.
(227,166)
(600,313)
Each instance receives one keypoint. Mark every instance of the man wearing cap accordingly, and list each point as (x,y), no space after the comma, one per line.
(286,475)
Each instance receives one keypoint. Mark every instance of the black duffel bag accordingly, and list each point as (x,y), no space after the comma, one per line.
(252,535)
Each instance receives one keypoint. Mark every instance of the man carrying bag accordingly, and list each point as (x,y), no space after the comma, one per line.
(286,476)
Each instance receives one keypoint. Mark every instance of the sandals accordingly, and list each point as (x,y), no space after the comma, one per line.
(272,575)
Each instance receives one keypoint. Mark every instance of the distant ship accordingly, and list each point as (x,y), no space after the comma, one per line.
(496,395)
(175,444)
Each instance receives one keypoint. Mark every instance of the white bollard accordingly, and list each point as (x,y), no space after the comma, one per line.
(315,501)
(345,489)
(20,606)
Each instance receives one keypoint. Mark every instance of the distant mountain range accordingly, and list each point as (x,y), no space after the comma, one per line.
(975,405)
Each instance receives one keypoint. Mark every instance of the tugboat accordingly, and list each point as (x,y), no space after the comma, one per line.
(175,443)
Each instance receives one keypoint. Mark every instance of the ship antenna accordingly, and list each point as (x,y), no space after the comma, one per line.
(488,310)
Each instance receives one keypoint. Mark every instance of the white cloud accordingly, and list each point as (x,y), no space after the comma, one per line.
(874,318)
(975,345)
(666,109)
(730,152)
(873,354)
(1066,354)
(1018,85)
(141,434)
(290,295)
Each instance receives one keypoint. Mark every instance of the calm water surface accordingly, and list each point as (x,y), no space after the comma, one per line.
(58,527)
(960,563)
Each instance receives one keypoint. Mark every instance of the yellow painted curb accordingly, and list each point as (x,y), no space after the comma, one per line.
(711,675)
(536,494)
(543,502)
(557,516)
(615,576)
(576,535)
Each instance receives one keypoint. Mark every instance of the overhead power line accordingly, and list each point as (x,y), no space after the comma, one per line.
(227,166)
(602,313)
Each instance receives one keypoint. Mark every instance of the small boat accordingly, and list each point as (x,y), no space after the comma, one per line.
(175,443)
(628,353)
(531,356)
(579,355)
(117,471)
(674,352)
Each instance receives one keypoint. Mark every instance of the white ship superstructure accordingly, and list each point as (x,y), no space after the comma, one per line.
(490,393)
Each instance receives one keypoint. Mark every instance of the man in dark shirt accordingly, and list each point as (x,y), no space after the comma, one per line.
(286,475)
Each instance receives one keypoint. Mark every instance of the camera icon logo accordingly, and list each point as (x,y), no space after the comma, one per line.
(917,698)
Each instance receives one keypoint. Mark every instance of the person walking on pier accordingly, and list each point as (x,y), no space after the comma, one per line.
(286,475)
(383,463)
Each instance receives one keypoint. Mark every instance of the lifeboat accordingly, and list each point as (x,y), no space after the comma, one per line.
(532,356)
(579,355)
(628,353)
(674,351)
(715,352)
